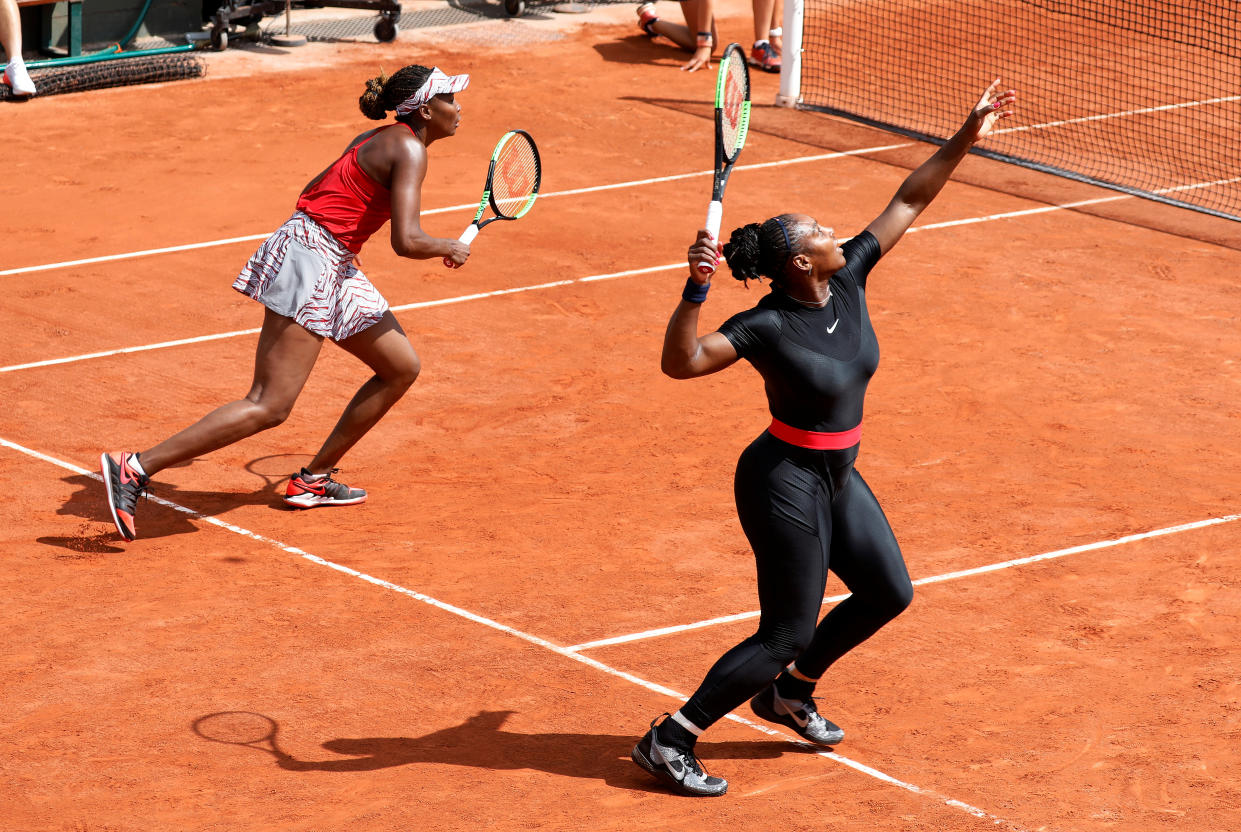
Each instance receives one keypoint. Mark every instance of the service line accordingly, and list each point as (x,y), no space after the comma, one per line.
(934,579)
(1025,212)
(524,636)
(472,206)
(634,183)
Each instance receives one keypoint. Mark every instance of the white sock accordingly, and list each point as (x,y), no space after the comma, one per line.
(136,465)
(759,43)
(679,719)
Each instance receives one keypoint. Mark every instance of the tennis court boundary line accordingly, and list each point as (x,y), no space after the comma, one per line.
(797,160)
(405,307)
(472,206)
(934,579)
(461,612)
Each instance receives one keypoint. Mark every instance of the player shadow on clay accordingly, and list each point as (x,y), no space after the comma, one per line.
(482,742)
(89,501)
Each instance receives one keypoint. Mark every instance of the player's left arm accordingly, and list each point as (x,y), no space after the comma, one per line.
(922,186)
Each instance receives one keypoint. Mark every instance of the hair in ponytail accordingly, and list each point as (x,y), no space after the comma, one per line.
(760,250)
(384,93)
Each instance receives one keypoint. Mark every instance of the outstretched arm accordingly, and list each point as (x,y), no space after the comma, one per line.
(685,354)
(925,182)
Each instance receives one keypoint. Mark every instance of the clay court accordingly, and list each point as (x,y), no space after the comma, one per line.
(550,555)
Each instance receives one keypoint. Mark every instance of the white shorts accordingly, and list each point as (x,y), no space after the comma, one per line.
(303,272)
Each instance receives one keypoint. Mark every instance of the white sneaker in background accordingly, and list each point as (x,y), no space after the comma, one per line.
(17,78)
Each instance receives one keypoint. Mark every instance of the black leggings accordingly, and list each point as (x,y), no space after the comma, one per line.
(802,511)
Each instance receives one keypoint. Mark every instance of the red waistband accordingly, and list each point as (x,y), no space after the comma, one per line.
(813,439)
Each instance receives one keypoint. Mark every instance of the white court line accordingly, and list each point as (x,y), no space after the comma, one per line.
(402,308)
(934,579)
(1163,108)
(638,183)
(524,636)
(634,183)
(1025,212)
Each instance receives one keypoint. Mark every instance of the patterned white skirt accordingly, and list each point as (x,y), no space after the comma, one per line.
(303,272)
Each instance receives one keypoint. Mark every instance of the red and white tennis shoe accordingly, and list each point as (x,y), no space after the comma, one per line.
(647,18)
(125,486)
(764,56)
(307,490)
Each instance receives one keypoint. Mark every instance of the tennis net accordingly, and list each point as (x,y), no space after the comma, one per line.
(1143,97)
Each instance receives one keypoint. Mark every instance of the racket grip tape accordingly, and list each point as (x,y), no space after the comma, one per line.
(715,216)
(466,237)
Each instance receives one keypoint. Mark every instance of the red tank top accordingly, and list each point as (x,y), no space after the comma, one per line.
(347,201)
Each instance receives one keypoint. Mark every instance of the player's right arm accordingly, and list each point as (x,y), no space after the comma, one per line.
(686,355)
(409,169)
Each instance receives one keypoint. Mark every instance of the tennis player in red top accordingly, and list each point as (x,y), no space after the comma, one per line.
(306,276)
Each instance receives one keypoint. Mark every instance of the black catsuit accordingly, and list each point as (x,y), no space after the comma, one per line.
(805,510)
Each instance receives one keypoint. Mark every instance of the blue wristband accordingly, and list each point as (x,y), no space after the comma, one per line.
(694,292)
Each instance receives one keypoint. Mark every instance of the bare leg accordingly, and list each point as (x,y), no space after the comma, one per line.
(777,18)
(15,74)
(762,18)
(686,36)
(10,29)
(384,348)
(282,363)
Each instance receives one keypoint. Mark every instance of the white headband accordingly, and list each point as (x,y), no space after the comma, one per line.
(437,84)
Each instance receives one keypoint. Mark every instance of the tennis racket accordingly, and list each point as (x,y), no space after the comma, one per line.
(732,123)
(513,179)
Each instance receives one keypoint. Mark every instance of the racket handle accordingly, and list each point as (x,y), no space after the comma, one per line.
(715,215)
(466,237)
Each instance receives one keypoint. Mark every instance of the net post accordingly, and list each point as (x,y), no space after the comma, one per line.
(790,59)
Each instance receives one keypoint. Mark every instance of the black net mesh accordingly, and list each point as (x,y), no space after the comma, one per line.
(142,69)
(1143,97)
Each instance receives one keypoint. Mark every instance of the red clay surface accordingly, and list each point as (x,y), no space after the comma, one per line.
(1048,381)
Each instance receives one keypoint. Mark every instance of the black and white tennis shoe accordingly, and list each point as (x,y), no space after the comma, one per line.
(680,769)
(803,718)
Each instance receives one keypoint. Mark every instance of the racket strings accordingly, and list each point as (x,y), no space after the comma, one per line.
(516,176)
(732,108)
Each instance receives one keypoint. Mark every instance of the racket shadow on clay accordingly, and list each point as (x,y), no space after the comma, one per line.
(479,742)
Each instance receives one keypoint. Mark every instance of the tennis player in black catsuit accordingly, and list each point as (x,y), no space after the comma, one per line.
(802,505)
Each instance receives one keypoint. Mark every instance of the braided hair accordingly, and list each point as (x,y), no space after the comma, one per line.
(762,249)
(386,92)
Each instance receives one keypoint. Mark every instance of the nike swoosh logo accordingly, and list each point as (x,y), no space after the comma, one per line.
(832,328)
(796,715)
(676,769)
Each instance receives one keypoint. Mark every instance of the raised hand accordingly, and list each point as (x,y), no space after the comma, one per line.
(991,108)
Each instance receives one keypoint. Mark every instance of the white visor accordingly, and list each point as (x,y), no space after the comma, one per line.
(437,84)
